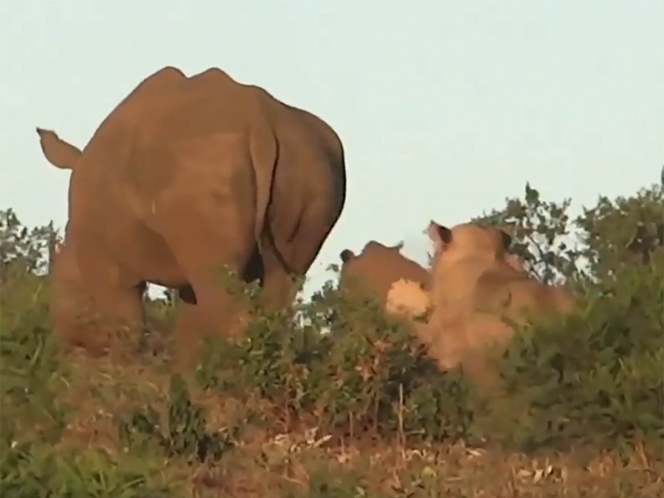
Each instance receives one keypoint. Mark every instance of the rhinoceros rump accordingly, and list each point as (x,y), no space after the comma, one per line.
(185,176)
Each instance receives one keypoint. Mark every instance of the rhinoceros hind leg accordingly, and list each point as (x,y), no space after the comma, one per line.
(287,257)
(278,286)
(99,319)
(216,241)
(120,318)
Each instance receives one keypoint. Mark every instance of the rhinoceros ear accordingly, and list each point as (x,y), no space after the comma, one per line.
(346,255)
(56,151)
(507,232)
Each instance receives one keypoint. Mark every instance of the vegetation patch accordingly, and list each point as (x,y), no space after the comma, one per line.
(360,410)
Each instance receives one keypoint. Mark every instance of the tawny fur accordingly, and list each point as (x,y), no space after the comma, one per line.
(407,298)
(479,291)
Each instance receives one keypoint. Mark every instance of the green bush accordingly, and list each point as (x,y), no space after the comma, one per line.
(29,369)
(592,379)
(366,376)
(186,434)
(34,470)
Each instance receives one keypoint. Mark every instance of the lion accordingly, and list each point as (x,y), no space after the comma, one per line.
(479,293)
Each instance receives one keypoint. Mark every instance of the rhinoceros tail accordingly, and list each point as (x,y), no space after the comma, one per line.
(264,150)
(59,153)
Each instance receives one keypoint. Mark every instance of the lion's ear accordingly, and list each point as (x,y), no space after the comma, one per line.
(506,239)
(440,235)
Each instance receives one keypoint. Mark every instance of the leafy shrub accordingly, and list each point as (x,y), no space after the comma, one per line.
(592,378)
(29,369)
(540,231)
(595,377)
(366,376)
(22,251)
(608,228)
(34,470)
(185,435)
(30,374)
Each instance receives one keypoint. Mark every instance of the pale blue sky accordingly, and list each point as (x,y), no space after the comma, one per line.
(445,108)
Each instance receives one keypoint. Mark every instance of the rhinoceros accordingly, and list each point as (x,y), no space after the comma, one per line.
(372,272)
(185,176)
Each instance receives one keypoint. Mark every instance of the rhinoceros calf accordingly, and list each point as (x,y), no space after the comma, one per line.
(372,272)
(188,175)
